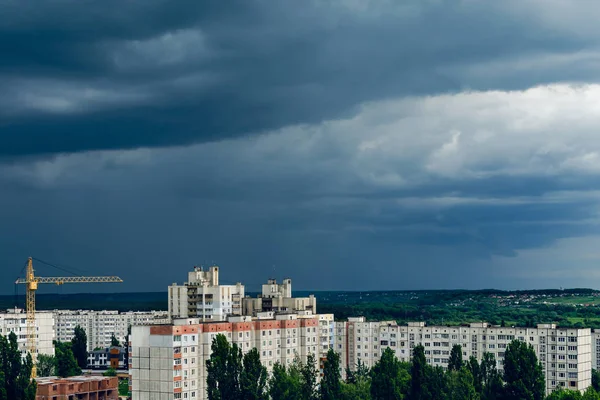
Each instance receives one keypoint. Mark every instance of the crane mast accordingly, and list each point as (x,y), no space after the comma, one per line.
(31,281)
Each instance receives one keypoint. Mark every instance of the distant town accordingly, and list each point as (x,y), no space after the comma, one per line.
(165,351)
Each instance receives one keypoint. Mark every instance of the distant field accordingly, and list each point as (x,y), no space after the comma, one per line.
(576,300)
(450,307)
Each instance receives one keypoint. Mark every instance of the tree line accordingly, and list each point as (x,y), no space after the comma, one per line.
(232,375)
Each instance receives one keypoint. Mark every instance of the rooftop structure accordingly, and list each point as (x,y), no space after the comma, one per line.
(202,296)
(278,298)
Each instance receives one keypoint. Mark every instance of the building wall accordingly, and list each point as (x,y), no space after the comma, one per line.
(278,298)
(99,326)
(203,297)
(170,360)
(80,387)
(15,320)
(565,354)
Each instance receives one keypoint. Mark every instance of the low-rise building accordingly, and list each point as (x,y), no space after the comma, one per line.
(78,387)
(15,320)
(110,357)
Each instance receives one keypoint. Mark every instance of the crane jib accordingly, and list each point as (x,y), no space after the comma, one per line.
(73,279)
(32,282)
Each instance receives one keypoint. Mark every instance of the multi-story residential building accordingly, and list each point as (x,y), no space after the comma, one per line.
(278,298)
(565,354)
(169,361)
(596,349)
(15,320)
(203,297)
(100,326)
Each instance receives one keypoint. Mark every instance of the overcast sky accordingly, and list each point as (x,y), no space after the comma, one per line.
(355,144)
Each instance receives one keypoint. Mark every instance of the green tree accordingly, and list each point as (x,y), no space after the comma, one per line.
(110,372)
(79,347)
(460,385)
(455,362)
(114,342)
(490,379)
(596,379)
(475,370)
(385,377)
(418,373)
(46,365)
(15,372)
(124,388)
(562,394)
(308,373)
(590,394)
(223,370)
(66,365)
(358,383)
(331,387)
(522,373)
(253,379)
(361,371)
(436,383)
(126,345)
(285,383)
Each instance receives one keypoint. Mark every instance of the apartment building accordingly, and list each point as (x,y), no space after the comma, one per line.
(565,354)
(100,326)
(169,361)
(203,297)
(278,298)
(15,320)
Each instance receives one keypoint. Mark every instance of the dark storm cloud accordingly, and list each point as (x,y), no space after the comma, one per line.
(330,139)
(124,75)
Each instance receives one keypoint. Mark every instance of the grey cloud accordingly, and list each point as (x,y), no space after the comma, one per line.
(328,194)
(150,74)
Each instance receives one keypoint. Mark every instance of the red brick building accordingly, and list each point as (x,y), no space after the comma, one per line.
(78,388)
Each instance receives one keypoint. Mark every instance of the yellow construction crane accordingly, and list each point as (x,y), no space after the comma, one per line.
(32,282)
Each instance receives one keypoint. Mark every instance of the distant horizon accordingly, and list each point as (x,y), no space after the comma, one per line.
(320,291)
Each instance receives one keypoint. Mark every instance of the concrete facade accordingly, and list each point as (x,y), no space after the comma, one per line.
(278,298)
(565,354)
(99,326)
(15,320)
(203,297)
(169,361)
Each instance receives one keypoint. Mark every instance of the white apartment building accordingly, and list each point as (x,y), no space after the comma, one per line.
(99,326)
(278,298)
(565,354)
(203,297)
(15,320)
(596,349)
(169,361)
